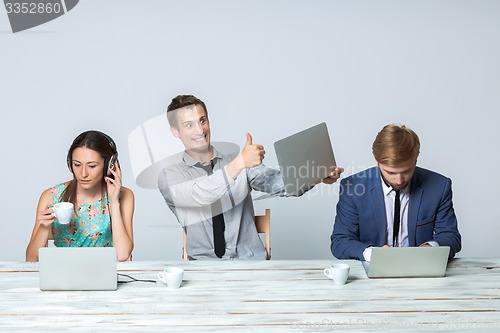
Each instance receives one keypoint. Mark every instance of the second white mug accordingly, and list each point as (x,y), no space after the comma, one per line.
(172,277)
(338,273)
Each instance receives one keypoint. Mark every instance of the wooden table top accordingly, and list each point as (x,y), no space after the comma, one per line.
(274,295)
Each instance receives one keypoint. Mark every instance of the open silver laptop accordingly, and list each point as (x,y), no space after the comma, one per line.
(407,262)
(305,158)
(77,268)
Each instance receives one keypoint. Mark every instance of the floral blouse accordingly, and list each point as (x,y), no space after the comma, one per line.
(89,227)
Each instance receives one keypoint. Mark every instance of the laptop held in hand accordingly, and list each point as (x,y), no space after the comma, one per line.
(304,158)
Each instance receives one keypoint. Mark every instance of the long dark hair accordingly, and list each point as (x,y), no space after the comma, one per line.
(97,141)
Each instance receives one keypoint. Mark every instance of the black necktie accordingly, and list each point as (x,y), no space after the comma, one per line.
(395,230)
(218,224)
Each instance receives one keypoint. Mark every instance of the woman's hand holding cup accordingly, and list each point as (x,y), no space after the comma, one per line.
(46,217)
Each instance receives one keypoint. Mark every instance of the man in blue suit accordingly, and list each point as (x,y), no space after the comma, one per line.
(367,211)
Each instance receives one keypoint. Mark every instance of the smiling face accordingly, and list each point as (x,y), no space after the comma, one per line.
(194,131)
(87,165)
(398,176)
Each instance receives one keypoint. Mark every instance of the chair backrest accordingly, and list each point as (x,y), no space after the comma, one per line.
(184,240)
(263,225)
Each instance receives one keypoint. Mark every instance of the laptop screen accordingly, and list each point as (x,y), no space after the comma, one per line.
(305,158)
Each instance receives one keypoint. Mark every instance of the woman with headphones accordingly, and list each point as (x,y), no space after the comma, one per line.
(103,208)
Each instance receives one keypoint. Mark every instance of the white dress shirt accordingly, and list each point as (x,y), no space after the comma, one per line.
(389,198)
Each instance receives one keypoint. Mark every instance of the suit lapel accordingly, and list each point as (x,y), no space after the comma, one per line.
(415,199)
(378,204)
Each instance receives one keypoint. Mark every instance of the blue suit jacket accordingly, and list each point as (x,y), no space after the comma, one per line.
(361,218)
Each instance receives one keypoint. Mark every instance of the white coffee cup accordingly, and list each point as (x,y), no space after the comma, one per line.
(338,273)
(63,212)
(172,277)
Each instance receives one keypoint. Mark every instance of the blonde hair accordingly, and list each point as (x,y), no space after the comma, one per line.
(396,144)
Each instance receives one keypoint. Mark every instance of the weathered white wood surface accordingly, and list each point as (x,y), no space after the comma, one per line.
(258,296)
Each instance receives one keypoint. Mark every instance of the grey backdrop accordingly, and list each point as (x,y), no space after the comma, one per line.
(267,67)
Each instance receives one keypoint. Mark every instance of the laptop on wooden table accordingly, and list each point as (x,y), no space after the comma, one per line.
(395,262)
(77,268)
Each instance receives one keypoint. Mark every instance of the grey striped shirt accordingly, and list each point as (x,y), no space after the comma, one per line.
(189,192)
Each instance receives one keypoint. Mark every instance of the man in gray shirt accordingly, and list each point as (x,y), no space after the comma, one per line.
(210,193)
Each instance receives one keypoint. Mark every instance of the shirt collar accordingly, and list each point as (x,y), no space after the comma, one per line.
(190,161)
(388,189)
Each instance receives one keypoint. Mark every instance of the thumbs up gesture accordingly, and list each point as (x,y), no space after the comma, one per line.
(252,154)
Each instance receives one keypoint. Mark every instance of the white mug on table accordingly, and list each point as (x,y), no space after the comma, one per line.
(338,273)
(172,277)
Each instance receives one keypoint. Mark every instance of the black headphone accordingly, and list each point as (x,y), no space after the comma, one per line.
(112,160)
